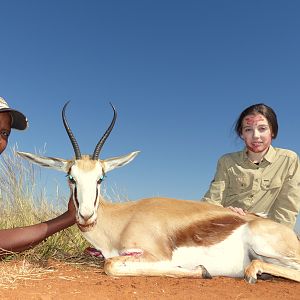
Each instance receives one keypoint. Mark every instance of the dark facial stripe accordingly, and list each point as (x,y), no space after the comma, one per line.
(75,196)
(96,196)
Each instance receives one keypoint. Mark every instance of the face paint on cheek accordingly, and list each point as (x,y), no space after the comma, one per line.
(257,149)
(258,146)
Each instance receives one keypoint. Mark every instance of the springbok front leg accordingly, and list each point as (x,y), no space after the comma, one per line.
(259,267)
(139,266)
(275,249)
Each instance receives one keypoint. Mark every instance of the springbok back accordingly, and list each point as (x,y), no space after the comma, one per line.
(169,237)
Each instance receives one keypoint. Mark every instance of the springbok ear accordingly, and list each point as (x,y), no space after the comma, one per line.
(116,162)
(48,162)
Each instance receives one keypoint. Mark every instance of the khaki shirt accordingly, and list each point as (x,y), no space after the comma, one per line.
(272,187)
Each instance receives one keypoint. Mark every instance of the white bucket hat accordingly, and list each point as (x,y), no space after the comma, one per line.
(19,121)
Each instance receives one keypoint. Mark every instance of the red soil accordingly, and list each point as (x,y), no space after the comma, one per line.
(67,281)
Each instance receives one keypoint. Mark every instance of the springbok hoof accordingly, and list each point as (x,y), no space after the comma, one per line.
(205,273)
(250,279)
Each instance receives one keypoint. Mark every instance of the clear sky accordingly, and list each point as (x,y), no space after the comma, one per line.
(178,72)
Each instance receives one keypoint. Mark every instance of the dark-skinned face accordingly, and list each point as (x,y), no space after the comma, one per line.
(5,128)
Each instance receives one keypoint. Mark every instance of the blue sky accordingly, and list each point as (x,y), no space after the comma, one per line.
(178,72)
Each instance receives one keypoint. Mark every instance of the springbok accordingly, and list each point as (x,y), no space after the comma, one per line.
(169,237)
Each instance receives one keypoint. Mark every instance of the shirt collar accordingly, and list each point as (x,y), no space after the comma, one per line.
(269,156)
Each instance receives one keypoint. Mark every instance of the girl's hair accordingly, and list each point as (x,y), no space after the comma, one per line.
(255,109)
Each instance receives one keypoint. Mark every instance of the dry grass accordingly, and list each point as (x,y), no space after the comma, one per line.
(12,274)
(23,202)
(28,267)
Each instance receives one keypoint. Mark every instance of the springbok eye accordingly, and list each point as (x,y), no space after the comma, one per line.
(71,178)
(100,179)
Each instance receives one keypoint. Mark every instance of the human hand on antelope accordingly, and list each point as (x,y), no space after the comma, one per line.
(238,210)
(22,238)
(72,209)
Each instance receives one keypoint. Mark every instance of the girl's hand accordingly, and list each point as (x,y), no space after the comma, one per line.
(238,210)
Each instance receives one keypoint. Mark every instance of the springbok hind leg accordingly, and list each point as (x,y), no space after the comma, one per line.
(133,266)
(259,267)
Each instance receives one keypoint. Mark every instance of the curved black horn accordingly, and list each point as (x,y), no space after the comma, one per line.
(70,133)
(105,135)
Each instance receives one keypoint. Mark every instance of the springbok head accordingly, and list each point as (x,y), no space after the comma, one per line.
(85,173)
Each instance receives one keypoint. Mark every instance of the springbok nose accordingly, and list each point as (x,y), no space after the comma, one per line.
(86,217)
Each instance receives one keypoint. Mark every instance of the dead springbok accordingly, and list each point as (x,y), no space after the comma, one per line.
(168,237)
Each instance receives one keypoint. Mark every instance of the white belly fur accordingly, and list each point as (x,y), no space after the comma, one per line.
(228,258)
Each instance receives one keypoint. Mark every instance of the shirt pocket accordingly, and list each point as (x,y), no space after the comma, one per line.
(270,183)
(239,184)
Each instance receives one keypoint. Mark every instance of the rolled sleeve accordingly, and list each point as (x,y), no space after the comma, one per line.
(287,204)
(215,194)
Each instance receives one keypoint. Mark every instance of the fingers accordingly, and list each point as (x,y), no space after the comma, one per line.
(238,210)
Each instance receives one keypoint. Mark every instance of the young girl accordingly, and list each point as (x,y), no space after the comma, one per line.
(19,239)
(261,178)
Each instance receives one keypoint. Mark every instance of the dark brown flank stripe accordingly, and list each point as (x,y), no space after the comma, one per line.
(206,233)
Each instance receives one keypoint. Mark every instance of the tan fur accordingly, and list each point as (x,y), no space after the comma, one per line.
(161,225)
(85,163)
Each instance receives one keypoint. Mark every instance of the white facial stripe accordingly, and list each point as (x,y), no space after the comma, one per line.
(86,176)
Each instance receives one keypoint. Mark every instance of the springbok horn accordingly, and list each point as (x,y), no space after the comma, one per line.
(70,133)
(105,135)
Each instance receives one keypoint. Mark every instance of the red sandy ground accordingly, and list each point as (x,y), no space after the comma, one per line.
(68,281)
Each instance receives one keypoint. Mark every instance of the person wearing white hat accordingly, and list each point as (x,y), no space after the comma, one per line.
(23,238)
(18,120)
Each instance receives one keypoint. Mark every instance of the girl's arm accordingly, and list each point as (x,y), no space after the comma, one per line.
(287,204)
(217,189)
